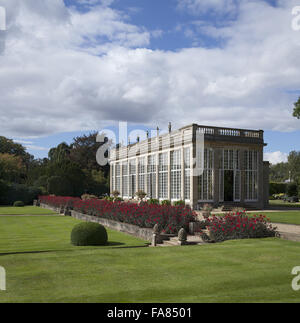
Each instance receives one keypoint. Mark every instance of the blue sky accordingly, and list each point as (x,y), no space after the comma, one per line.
(71,67)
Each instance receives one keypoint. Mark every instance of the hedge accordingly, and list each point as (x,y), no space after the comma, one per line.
(9,193)
(277,188)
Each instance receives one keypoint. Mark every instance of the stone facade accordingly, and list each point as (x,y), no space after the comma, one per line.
(198,164)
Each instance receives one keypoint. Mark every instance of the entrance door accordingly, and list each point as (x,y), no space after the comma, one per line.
(228,185)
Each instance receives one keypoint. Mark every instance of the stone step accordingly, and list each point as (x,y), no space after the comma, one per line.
(171,243)
(290,236)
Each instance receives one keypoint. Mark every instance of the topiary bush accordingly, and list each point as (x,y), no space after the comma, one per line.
(89,234)
(19,204)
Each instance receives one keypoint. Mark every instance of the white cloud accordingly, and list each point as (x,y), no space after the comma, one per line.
(276,157)
(203,6)
(62,70)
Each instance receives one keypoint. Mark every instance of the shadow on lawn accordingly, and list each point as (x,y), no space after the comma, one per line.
(113,244)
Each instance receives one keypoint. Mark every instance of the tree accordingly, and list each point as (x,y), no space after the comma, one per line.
(279,172)
(11,168)
(84,150)
(59,186)
(297,109)
(60,153)
(8,146)
(294,165)
(292,189)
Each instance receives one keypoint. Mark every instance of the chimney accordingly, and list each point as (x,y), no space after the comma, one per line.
(157,129)
(170,127)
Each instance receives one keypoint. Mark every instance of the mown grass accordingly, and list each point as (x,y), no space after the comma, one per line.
(281,203)
(42,266)
(25,210)
(290,217)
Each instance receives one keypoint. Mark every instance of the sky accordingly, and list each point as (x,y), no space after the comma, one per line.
(71,67)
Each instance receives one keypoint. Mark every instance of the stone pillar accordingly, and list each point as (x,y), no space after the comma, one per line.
(110,178)
(136,175)
(242,168)
(182,173)
(146,174)
(260,179)
(121,179)
(266,184)
(157,174)
(194,178)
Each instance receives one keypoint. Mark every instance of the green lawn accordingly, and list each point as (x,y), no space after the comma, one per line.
(42,266)
(290,217)
(284,204)
(26,210)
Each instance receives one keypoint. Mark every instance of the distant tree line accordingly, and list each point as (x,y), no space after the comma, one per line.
(286,176)
(69,170)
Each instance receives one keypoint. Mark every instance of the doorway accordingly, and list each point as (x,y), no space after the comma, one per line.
(228,185)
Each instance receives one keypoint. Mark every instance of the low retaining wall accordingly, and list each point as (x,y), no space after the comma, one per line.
(142,233)
(55,209)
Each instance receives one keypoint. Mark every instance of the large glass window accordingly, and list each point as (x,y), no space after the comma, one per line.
(112,169)
(118,177)
(142,173)
(251,175)
(187,173)
(151,176)
(176,174)
(230,175)
(125,179)
(132,177)
(163,176)
(205,180)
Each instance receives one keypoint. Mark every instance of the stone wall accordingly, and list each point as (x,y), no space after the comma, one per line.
(55,209)
(142,233)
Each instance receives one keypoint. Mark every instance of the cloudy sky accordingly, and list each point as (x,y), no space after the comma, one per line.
(69,67)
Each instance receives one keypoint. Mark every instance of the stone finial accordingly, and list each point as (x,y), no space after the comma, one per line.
(156,229)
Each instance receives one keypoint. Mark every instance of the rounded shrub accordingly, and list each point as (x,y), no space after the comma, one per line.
(19,203)
(89,234)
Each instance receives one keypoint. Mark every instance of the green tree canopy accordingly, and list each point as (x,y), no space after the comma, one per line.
(11,168)
(297,109)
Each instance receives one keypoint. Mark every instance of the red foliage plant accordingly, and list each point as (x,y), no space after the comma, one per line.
(239,226)
(170,218)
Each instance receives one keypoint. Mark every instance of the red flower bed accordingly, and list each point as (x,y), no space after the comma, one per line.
(59,201)
(239,226)
(170,218)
